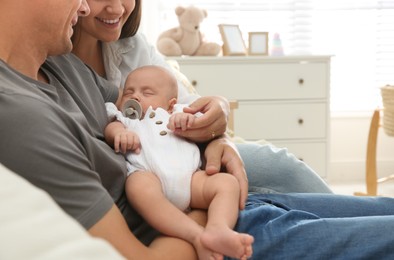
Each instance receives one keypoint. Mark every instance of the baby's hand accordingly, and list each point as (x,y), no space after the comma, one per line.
(181,120)
(126,141)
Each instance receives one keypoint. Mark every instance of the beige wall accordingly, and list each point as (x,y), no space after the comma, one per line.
(349,135)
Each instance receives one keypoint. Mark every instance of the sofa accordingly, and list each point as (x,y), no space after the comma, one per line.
(33,226)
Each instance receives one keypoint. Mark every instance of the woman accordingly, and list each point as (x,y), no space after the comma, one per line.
(107,40)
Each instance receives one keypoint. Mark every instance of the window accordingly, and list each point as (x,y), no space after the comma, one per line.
(358,33)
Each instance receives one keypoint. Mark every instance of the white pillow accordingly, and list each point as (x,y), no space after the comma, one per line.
(33,226)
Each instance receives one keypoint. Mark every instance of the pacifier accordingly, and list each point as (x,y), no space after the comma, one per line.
(132,109)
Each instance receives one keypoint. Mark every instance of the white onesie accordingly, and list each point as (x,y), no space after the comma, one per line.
(173,159)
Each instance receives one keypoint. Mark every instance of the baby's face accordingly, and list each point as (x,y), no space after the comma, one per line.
(149,88)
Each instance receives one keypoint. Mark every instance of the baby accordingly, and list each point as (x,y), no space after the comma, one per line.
(164,177)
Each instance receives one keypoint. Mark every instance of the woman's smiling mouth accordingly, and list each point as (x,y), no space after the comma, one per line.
(109,21)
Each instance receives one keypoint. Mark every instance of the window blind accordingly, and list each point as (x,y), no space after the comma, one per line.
(358,34)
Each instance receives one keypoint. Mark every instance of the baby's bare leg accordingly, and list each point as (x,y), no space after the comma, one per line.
(220,194)
(145,193)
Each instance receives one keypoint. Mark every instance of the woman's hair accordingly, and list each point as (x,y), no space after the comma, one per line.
(129,29)
(132,24)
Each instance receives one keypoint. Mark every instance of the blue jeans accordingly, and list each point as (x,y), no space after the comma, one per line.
(319,226)
(275,170)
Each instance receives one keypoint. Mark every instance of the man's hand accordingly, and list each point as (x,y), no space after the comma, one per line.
(222,153)
(211,124)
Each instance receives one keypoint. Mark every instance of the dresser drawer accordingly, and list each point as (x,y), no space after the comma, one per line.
(256,81)
(284,100)
(313,154)
(274,121)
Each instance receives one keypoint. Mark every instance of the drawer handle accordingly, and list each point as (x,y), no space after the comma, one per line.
(301,81)
(194,83)
(300,121)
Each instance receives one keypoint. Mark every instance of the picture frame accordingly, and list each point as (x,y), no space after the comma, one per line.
(258,43)
(233,43)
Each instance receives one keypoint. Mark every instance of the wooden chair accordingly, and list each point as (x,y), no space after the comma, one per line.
(233,106)
(371,177)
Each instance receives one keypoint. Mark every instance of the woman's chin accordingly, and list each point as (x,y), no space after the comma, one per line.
(110,38)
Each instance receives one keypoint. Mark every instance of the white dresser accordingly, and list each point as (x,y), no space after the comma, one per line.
(284,100)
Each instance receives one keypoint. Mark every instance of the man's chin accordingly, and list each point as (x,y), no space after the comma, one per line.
(67,48)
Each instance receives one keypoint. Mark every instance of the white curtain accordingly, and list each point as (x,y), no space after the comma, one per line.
(359,34)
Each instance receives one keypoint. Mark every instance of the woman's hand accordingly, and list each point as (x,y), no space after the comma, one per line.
(211,124)
(221,152)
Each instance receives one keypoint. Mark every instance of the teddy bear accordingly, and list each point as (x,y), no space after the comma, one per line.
(187,39)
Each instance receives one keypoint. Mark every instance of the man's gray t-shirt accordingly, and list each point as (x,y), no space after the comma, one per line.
(53,135)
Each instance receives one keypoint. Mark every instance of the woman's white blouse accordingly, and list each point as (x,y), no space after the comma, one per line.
(125,55)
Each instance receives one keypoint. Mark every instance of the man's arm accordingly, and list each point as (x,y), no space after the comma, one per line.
(222,152)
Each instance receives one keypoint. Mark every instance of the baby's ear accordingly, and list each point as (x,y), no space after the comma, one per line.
(171,104)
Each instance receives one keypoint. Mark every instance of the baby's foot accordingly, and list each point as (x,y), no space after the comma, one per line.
(204,253)
(228,242)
